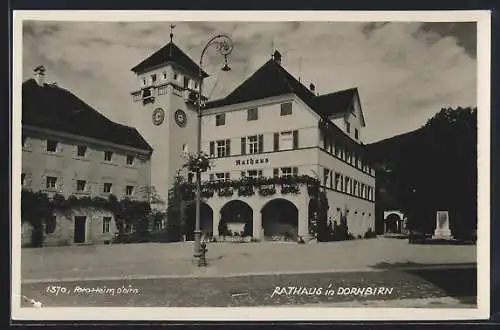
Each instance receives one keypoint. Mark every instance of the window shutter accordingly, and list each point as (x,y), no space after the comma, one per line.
(276,172)
(243,146)
(276,141)
(74,185)
(212,148)
(331,179)
(295,171)
(261,143)
(228,147)
(295,139)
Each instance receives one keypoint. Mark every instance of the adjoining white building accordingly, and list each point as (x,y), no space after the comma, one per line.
(270,126)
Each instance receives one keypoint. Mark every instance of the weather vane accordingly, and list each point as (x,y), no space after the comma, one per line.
(172,27)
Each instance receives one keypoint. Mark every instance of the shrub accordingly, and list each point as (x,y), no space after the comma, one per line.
(370,233)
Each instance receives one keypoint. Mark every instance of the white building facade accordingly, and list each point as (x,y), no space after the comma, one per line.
(269,127)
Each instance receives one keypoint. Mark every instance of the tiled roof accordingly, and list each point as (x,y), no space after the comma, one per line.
(169,53)
(272,79)
(55,108)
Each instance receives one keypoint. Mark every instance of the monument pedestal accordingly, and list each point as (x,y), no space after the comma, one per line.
(442,230)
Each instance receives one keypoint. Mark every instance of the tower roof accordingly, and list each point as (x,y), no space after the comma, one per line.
(169,53)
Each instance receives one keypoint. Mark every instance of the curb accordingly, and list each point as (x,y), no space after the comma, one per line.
(213,273)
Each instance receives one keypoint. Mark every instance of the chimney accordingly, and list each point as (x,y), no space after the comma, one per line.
(40,75)
(312,87)
(277,57)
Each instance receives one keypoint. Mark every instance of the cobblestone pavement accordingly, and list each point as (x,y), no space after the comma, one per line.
(264,290)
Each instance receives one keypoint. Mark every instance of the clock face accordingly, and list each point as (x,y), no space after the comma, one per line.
(158,116)
(180,118)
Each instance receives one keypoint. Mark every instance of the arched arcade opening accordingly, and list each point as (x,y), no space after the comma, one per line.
(280,220)
(236,219)
(206,220)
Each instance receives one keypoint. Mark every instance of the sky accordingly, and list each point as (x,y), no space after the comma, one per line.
(405,71)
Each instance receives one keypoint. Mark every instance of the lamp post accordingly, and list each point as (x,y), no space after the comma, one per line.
(224,47)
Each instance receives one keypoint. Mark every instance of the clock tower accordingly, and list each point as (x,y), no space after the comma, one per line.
(165,112)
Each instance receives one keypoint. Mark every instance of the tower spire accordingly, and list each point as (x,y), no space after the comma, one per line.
(272,48)
(300,68)
(172,27)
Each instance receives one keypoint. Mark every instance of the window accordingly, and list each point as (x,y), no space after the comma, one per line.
(190,177)
(176,76)
(185,148)
(223,148)
(338,186)
(326,174)
(51,182)
(162,90)
(289,171)
(186,82)
(220,119)
(107,187)
(23,179)
(51,145)
(253,144)
(347,185)
(50,225)
(81,151)
(108,156)
(348,127)
(81,185)
(144,81)
(130,160)
(253,114)
(153,77)
(286,109)
(286,140)
(254,174)
(356,133)
(129,190)
(164,75)
(222,176)
(106,221)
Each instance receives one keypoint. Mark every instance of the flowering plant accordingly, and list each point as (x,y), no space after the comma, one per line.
(290,189)
(267,191)
(198,162)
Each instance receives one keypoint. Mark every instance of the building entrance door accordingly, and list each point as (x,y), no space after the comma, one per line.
(80,229)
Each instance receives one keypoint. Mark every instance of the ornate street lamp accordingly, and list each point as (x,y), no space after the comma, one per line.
(224,46)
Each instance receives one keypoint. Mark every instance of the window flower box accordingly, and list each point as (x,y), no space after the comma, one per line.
(267,191)
(290,189)
(226,192)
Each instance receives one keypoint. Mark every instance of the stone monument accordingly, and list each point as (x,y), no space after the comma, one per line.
(442,230)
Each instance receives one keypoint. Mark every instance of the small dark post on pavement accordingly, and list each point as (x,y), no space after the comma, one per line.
(203,251)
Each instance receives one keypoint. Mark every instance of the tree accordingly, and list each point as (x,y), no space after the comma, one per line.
(437,170)
(175,226)
(36,209)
